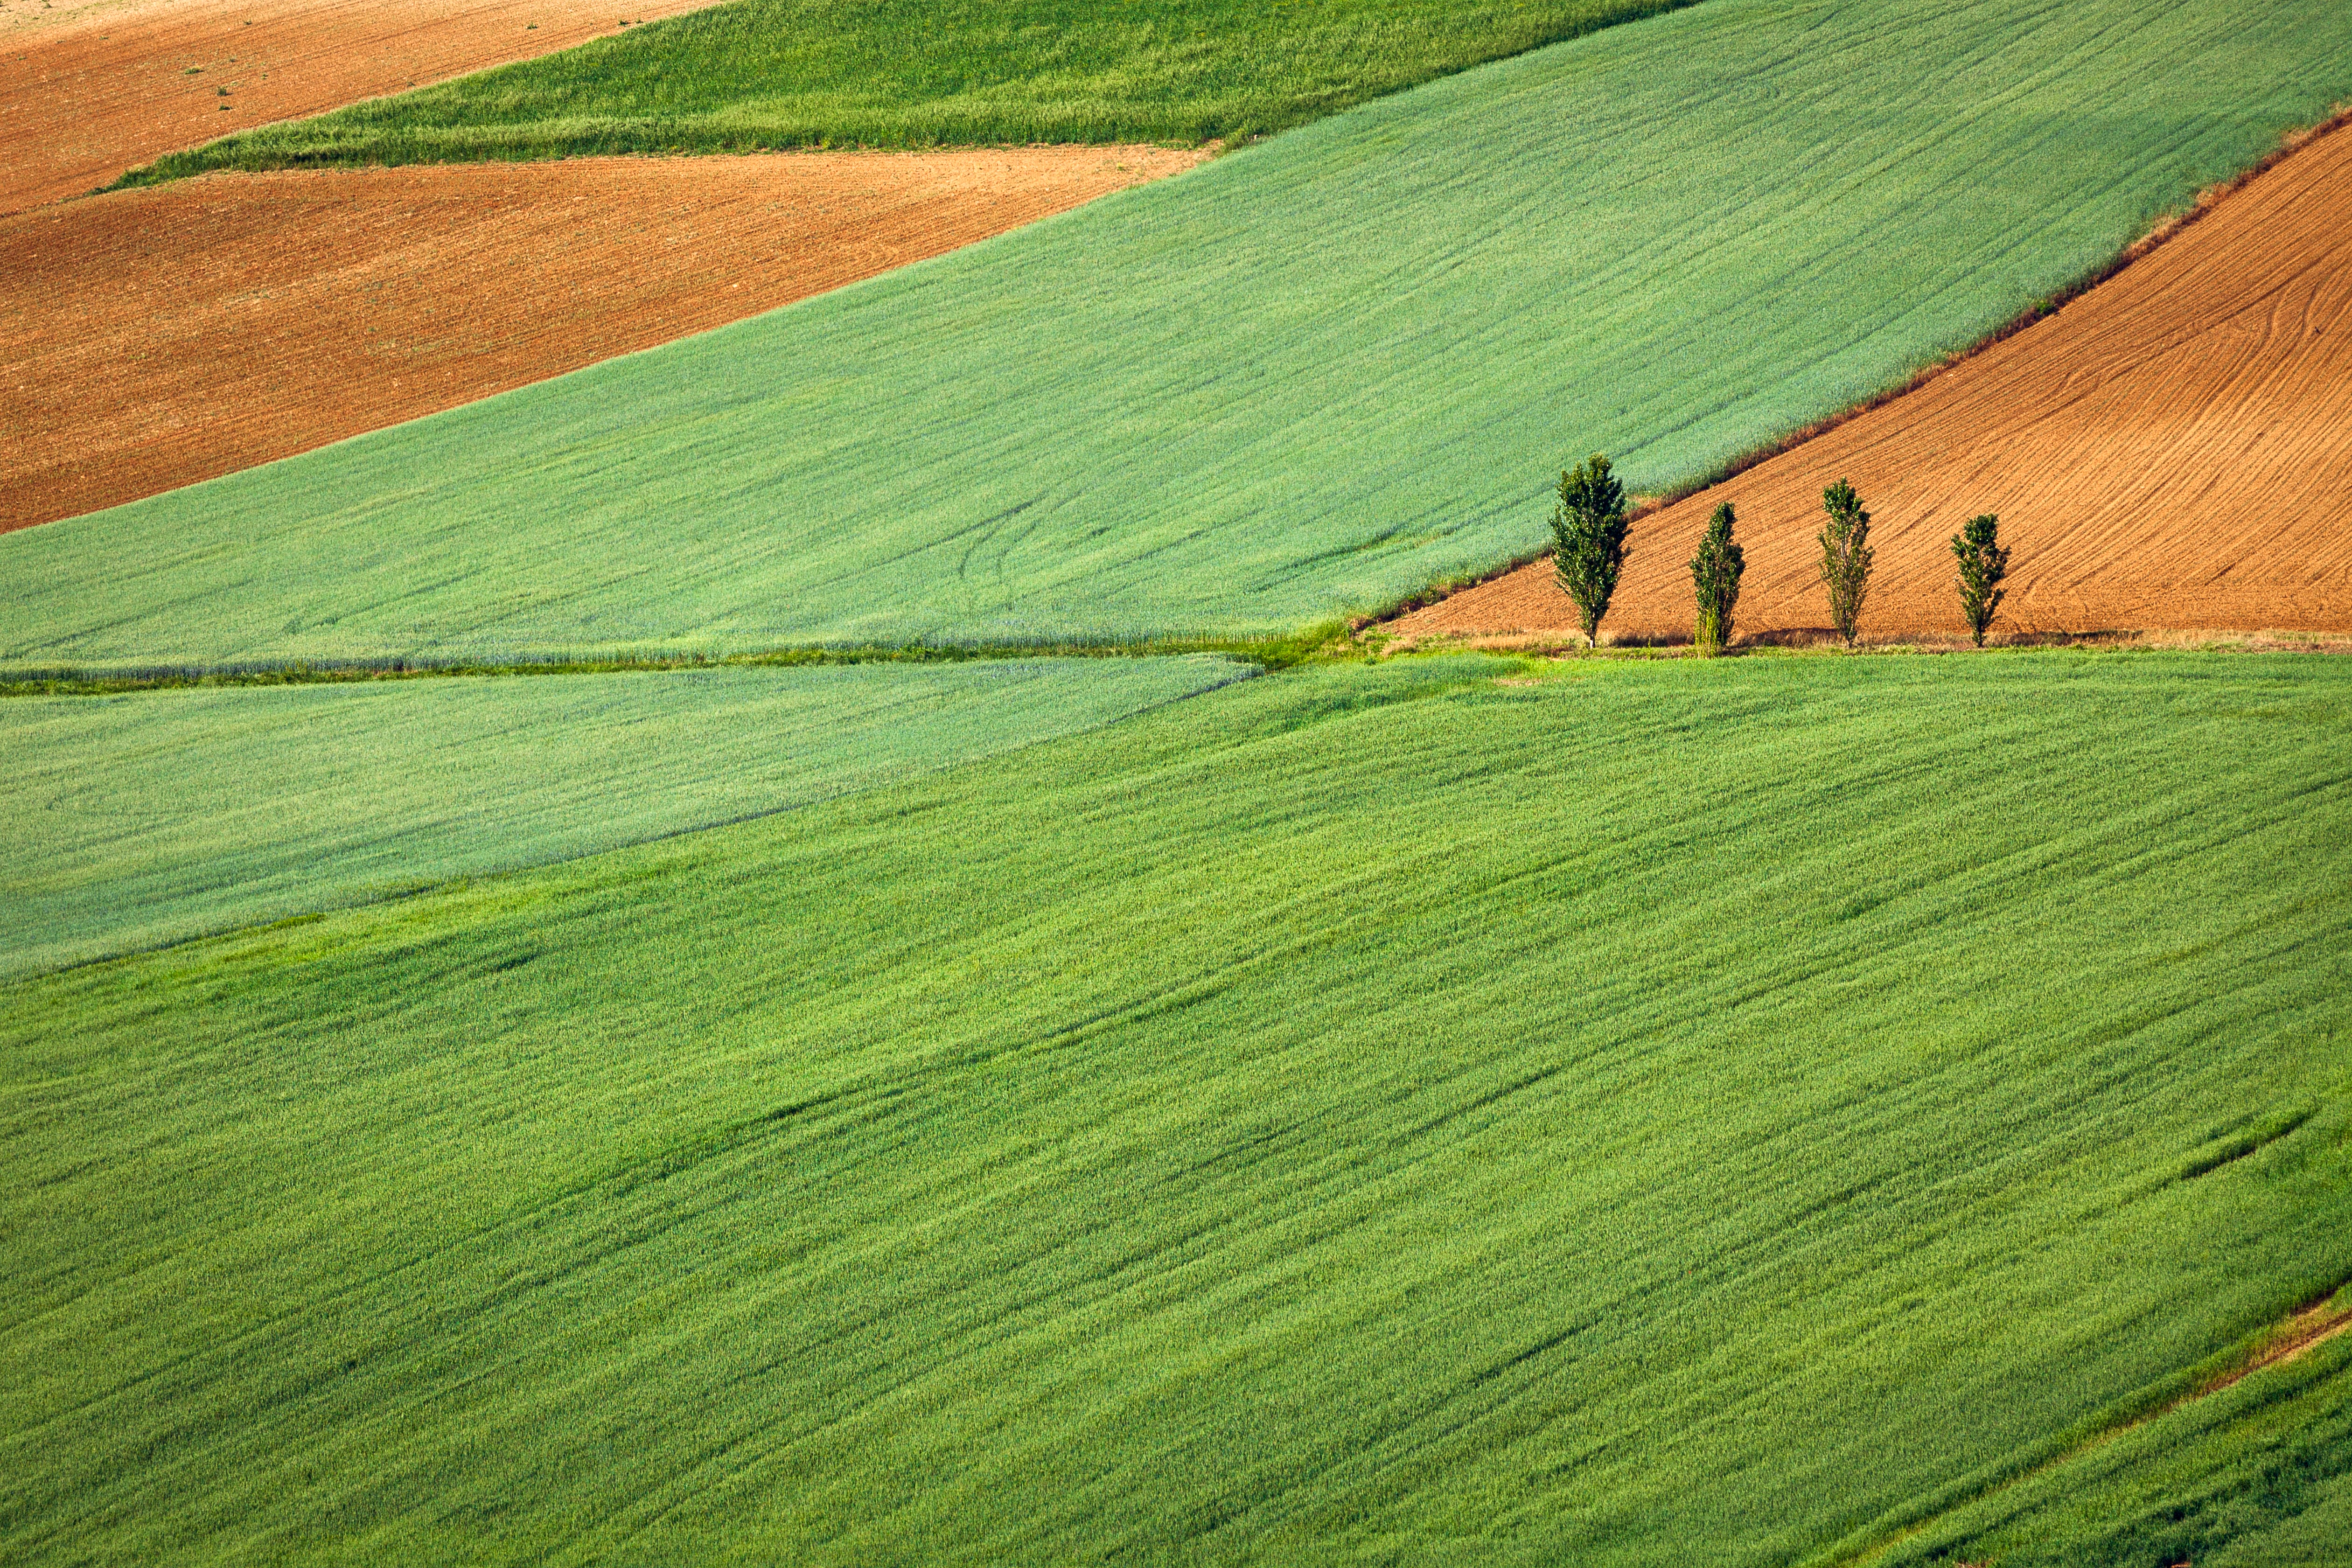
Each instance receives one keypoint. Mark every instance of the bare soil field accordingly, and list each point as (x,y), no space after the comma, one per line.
(152,338)
(2173,449)
(90,89)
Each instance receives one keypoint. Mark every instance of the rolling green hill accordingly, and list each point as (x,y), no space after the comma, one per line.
(1303,381)
(1726,1112)
(151,818)
(917,73)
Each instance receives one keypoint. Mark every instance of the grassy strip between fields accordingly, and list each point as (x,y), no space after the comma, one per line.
(1431,1110)
(770,73)
(1266,652)
(1334,642)
(1322,642)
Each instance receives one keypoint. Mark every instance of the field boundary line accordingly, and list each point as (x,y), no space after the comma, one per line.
(1269,654)
(2299,1333)
(2167,227)
(1322,645)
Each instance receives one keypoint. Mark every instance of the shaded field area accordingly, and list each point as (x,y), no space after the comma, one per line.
(2174,449)
(1857,1080)
(1305,380)
(154,817)
(762,74)
(87,95)
(2255,1476)
(153,339)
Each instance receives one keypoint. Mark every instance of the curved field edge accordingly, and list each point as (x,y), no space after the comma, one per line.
(1867,1069)
(160,338)
(769,75)
(169,815)
(2257,1474)
(1302,382)
(2095,437)
(114,87)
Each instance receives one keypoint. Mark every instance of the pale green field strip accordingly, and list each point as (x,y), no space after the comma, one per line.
(138,820)
(1307,379)
(1679,1112)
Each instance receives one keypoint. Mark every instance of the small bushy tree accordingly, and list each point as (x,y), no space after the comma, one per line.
(1588,532)
(1983,564)
(1714,578)
(1845,558)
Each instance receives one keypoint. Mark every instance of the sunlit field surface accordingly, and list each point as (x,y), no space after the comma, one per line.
(1308,378)
(156,816)
(762,74)
(1728,1111)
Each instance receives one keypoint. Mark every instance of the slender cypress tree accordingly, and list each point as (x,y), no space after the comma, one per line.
(1588,531)
(1845,556)
(1714,579)
(1983,564)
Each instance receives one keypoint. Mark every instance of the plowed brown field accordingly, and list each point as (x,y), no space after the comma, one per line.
(89,90)
(152,338)
(2171,450)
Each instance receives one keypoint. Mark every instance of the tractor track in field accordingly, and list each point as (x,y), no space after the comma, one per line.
(2172,449)
(161,336)
(2297,1335)
(92,88)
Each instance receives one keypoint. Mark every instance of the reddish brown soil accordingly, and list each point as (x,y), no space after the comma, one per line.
(2173,449)
(92,87)
(2301,1335)
(152,338)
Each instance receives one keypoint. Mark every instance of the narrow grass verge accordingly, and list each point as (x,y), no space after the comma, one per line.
(1270,654)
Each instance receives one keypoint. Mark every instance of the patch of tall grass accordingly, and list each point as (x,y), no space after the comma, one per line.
(762,74)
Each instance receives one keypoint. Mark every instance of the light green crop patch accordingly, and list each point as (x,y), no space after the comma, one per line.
(150,818)
(1301,381)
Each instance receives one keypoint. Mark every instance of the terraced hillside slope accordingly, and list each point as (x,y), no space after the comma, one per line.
(1860,1086)
(2174,449)
(760,74)
(88,94)
(151,339)
(1307,379)
(152,818)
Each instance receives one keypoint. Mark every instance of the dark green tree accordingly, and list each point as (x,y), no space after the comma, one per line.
(1714,578)
(1983,564)
(1588,531)
(1845,558)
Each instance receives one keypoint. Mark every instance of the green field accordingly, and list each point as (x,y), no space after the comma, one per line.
(1722,1112)
(1306,380)
(150,818)
(2258,1476)
(919,73)
(1792,1110)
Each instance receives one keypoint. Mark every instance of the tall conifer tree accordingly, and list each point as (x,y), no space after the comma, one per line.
(1588,531)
